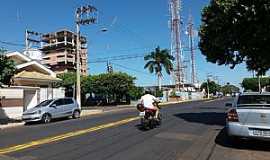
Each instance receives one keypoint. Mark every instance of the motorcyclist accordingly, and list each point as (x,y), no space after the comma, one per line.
(148,101)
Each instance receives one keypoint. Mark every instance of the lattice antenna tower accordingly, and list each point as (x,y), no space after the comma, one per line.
(175,7)
(191,47)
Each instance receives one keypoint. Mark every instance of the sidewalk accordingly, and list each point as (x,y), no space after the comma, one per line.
(87,111)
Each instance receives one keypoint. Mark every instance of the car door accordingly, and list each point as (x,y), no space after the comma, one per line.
(68,107)
(57,108)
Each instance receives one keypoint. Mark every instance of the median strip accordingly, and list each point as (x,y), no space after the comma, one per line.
(64,136)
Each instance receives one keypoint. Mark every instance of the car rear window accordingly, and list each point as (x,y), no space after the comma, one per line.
(253,100)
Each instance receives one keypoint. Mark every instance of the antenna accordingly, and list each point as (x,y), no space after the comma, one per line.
(192,53)
(175,7)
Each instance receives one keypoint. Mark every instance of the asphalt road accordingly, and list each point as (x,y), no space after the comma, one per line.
(192,130)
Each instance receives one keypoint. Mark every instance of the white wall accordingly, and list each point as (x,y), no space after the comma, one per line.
(11,92)
(30,98)
(43,94)
(49,93)
(58,93)
(13,112)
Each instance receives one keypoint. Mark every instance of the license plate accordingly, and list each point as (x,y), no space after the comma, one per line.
(142,114)
(261,133)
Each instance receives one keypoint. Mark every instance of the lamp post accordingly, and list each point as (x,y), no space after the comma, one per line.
(81,12)
(207,82)
(207,88)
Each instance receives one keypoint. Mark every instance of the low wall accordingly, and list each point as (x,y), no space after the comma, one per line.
(11,112)
(11,103)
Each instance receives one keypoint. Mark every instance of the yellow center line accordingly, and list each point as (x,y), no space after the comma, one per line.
(64,136)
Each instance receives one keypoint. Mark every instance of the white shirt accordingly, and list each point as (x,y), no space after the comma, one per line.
(148,100)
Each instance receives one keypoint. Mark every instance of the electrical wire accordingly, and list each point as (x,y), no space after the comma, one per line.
(131,69)
(11,43)
(121,57)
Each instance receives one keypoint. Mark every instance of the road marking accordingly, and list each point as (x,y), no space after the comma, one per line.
(64,136)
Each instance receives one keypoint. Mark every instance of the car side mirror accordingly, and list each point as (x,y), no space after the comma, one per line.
(228,104)
(53,106)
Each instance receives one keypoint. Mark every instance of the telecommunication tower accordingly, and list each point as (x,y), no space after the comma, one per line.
(191,47)
(176,45)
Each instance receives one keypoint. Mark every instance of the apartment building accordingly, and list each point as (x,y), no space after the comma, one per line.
(59,51)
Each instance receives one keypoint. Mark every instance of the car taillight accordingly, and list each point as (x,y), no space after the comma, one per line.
(232,116)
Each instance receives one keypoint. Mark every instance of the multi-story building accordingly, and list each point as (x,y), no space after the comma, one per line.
(59,51)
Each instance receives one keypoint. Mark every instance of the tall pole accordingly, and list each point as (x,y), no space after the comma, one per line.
(208,96)
(259,83)
(207,82)
(78,61)
(26,40)
(82,18)
(175,7)
(192,54)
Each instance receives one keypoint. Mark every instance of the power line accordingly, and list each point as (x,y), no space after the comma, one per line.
(11,43)
(116,58)
(122,57)
(131,69)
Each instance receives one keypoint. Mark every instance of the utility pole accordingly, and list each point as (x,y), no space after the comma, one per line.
(207,82)
(176,45)
(259,83)
(31,38)
(109,67)
(192,54)
(82,18)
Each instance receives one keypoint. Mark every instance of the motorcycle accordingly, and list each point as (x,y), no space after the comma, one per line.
(147,116)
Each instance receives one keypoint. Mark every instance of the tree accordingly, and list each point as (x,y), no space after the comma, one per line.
(236,31)
(253,85)
(136,92)
(7,69)
(113,86)
(229,89)
(69,80)
(213,87)
(157,60)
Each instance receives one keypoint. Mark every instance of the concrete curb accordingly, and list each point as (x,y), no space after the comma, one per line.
(11,125)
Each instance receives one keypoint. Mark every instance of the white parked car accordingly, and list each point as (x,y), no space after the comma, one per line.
(249,116)
(50,109)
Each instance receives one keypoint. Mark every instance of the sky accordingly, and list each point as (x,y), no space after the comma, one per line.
(133,28)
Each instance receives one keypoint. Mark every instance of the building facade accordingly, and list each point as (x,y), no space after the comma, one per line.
(59,51)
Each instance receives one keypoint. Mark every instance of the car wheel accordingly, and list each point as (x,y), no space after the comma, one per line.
(46,118)
(76,114)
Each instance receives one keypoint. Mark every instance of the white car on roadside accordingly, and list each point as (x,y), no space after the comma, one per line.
(249,116)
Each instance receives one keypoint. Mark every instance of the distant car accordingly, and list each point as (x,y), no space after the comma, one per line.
(53,108)
(249,116)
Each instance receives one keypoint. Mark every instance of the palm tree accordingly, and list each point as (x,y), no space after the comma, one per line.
(157,60)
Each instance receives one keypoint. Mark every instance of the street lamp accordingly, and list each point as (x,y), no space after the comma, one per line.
(80,20)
